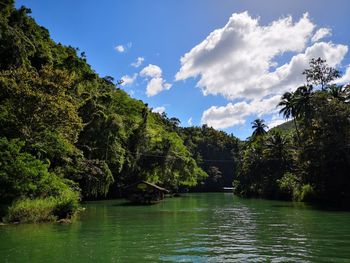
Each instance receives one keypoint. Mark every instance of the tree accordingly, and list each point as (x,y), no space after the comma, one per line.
(337,92)
(277,147)
(320,74)
(288,109)
(302,101)
(259,127)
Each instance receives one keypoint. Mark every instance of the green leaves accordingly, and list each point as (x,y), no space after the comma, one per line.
(22,175)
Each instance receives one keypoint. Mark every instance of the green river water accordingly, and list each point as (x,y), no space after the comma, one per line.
(194,228)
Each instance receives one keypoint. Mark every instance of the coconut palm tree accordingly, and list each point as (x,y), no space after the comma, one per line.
(302,101)
(337,92)
(277,146)
(259,127)
(287,103)
(288,109)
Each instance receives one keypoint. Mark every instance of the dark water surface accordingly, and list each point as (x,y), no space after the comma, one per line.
(193,228)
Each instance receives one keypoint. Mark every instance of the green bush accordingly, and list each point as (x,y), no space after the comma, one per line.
(44,209)
(288,185)
(307,193)
(67,205)
(32,211)
(24,176)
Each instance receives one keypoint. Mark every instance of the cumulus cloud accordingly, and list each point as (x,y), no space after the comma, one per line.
(236,114)
(152,71)
(156,83)
(128,80)
(240,62)
(138,62)
(321,33)
(232,60)
(159,110)
(120,48)
(289,76)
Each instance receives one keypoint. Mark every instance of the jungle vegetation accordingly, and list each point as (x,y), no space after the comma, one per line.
(68,134)
(309,158)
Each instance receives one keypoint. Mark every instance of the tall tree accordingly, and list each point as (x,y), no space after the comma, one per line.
(259,127)
(320,74)
(288,109)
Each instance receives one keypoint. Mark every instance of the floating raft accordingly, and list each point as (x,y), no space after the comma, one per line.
(143,192)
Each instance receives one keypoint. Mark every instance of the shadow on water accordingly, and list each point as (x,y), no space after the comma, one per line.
(332,207)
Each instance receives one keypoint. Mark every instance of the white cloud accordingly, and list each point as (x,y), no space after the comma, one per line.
(138,62)
(152,71)
(120,48)
(345,79)
(189,121)
(156,83)
(239,62)
(128,80)
(155,86)
(123,48)
(232,60)
(236,114)
(159,110)
(275,121)
(321,33)
(289,76)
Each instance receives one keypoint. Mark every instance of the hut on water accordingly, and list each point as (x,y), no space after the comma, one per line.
(144,192)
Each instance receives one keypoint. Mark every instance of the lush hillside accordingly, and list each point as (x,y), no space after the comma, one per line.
(285,127)
(67,133)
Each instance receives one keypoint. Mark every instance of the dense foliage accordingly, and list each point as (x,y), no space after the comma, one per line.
(216,153)
(312,160)
(65,129)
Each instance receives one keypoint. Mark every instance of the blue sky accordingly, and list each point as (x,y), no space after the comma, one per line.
(162,32)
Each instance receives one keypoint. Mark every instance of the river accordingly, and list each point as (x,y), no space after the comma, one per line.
(216,227)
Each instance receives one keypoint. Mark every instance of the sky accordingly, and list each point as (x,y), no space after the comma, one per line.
(222,63)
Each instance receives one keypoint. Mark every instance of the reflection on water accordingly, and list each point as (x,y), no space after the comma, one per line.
(193,228)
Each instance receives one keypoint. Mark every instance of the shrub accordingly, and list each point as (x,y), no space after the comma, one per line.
(32,210)
(67,205)
(307,193)
(288,185)
(44,209)
(24,176)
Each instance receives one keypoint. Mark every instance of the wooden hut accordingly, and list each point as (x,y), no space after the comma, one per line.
(144,192)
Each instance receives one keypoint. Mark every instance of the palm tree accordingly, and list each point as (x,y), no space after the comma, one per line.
(302,101)
(259,127)
(287,102)
(288,109)
(277,146)
(337,92)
